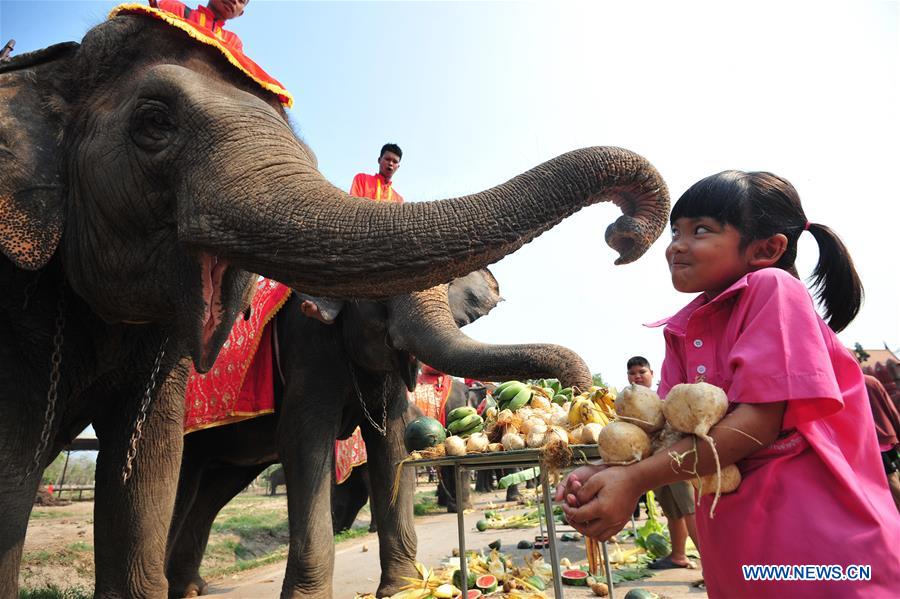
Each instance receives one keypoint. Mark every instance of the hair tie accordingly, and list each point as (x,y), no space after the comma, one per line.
(806,226)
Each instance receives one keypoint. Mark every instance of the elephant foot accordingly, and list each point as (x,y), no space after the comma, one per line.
(194,588)
(373,527)
(513,496)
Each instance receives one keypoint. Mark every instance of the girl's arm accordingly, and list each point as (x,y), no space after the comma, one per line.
(604,501)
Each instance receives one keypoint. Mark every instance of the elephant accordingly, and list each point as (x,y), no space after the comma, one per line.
(355,372)
(276,479)
(145,181)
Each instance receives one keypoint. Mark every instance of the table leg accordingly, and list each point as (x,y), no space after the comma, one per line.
(551,534)
(460,472)
(608,568)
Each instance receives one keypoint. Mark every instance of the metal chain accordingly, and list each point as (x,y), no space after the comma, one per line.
(142,414)
(383,428)
(53,391)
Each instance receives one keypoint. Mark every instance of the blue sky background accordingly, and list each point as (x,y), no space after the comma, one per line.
(476,92)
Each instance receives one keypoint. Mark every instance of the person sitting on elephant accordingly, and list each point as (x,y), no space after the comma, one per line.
(211,17)
(378,187)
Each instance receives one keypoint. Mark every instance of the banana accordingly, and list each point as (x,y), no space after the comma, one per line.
(458,413)
(521,398)
(464,423)
(511,391)
(499,388)
(475,429)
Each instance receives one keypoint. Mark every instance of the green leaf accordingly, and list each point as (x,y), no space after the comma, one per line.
(519,477)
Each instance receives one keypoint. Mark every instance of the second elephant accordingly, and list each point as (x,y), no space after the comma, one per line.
(333,376)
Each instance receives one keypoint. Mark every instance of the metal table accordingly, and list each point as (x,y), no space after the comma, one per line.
(506,459)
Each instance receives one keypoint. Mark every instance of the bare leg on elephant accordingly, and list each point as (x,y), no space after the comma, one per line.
(132,518)
(216,486)
(397,540)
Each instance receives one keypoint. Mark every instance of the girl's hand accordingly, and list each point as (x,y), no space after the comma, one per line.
(602,505)
(573,482)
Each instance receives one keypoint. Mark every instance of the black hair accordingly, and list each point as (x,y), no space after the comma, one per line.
(391,148)
(637,361)
(760,205)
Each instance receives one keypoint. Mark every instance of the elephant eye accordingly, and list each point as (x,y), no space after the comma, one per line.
(152,126)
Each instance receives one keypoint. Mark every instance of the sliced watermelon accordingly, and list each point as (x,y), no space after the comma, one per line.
(486,583)
(473,594)
(575,578)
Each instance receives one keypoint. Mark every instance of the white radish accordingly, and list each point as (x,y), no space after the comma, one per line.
(590,433)
(731,479)
(476,443)
(622,443)
(512,441)
(557,433)
(455,446)
(536,437)
(696,408)
(540,403)
(640,406)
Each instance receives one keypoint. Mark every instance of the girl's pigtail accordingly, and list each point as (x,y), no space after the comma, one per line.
(835,281)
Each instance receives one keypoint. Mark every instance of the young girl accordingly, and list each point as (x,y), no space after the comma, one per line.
(814,492)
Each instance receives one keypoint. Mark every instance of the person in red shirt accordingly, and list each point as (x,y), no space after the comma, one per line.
(211,17)
(379,187)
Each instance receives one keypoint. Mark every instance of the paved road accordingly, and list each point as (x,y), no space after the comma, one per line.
(357,569)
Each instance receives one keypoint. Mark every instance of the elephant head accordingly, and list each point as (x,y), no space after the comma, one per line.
(161,176)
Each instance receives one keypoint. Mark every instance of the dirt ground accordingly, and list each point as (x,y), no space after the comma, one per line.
(245,557)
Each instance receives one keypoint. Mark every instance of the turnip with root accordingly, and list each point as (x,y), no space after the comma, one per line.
(622,443)
(731,479)
(640,406)
(696,408)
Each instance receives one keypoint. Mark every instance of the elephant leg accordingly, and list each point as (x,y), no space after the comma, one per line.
(484,481)
(512,491)
(132,518)
(217,486)
(16,501)
(447,483)
(397,540)
(308,460)
(349,497)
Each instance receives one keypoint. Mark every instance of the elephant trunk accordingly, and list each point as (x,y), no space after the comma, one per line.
(277,216)
(423,324)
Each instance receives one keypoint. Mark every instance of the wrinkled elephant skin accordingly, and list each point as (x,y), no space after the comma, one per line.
(133,208)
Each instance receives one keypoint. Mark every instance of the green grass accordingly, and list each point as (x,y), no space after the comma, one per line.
(351,533)
(246,525)
(54,592)
(35,515)
(425,503)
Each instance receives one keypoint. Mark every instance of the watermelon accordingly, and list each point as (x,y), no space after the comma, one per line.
(486,583)
(575,578)
(473,594)
(457,579)
(657,545)
(640,594)
(482,525)
(422,433)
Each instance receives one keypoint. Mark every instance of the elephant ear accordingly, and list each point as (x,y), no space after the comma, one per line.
(31,194)
(473,296)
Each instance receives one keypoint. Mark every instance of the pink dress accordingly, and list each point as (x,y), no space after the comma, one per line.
(818,495)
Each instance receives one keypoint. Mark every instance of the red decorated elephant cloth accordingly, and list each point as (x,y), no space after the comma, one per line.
(348,454)
(239,385)
(200,27)
(432,390)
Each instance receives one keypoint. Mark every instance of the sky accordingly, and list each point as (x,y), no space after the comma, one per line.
(477,92)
